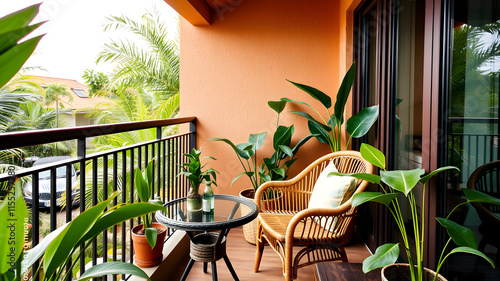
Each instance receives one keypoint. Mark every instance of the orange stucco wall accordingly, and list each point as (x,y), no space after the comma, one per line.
(230,69)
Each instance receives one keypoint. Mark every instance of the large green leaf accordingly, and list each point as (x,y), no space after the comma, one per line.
(477,196)
(469,250)
(248,174)
(311,119)
(245,150)
(300,143)
(236,149)
(362,176)
(282,136)
(13,219)
(277,106)
(343,93)
(10,39)
(120,214)
(36,253)
(109,268)
(151,235)
(13,59)
(431,174)
(141,186)
(403,180)
(148,175)
(359,124)
(318,132)
(372,155)
(325,100)
(19,19)
(59,250)
(286,150)
(295,101)
(461,235)
(363,197)
(385,255)
(257,139)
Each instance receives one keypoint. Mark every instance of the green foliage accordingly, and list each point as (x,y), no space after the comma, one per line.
(14,28)
(329,130)
(144,186)
(194,171)
(272,168)
(97,81)
(404,182)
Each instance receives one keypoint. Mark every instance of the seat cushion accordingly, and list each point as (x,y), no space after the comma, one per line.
(331,191)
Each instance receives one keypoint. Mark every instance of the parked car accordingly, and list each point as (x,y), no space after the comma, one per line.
(44,183)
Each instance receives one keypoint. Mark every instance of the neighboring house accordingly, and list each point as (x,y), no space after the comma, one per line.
(81,103)
(431,63)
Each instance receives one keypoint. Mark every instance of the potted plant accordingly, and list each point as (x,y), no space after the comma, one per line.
(329,130)
(194,171)
(56,250)
(393,183)
(148,237)
(272,168)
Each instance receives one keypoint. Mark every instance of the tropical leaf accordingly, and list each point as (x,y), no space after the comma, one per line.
(477,196)
(343,93)
(472,251)
(257,140)
(430,175)
(384,255)
(277,106)
(363,197)
(359,124)
(403,181)
(373,155)
(109,268)
(461,235)
(325,100)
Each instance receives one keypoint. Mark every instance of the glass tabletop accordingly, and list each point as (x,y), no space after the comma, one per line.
(227,214)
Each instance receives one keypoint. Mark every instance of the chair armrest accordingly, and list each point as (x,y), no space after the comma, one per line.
(306,224)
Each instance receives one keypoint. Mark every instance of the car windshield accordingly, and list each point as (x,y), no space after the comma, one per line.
(60,172)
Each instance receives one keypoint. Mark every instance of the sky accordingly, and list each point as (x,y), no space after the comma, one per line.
(74,31)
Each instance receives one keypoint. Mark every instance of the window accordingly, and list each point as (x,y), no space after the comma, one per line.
(80,92)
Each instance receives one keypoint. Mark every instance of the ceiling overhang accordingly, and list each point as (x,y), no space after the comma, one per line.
(197,12)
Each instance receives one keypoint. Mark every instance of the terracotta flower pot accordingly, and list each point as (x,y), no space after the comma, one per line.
(401,272)
(144,256)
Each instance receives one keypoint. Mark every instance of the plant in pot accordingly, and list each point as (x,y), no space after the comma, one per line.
(329,130)
(148,237)
(272,168)
(194,171)
(393,183)
(56,250)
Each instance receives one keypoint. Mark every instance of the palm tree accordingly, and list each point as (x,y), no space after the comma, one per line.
(153,65)
(54,94)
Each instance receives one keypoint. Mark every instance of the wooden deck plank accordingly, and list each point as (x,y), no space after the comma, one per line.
(242,256)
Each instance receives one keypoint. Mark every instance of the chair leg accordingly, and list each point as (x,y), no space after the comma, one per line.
(288,268)
(260,247)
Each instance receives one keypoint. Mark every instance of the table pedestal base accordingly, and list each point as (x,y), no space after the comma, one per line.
(205,248)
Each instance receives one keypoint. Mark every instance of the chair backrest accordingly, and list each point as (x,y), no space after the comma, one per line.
(487,180)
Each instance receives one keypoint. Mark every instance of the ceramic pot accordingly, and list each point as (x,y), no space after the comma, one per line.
(401,272)
(144,256)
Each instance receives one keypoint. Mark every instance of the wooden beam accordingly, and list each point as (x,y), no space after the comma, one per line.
(197,12)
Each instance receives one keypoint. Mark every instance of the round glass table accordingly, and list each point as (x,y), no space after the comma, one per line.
(208,245)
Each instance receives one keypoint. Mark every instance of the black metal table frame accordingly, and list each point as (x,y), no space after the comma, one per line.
(223,227)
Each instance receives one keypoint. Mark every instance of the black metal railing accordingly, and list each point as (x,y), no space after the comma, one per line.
(100,174)
(470,150)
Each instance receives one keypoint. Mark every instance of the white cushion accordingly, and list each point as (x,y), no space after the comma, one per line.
(331,191)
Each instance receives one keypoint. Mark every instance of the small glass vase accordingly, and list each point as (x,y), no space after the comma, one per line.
(194,200)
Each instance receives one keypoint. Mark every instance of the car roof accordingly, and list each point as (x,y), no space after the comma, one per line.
(45,160)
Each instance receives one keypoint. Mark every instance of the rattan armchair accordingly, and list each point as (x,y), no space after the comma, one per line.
(285,222)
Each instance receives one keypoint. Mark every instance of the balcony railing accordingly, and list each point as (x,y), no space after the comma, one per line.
(478,146)
(100,174)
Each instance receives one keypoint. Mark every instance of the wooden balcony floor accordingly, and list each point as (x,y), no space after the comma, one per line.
(242,257)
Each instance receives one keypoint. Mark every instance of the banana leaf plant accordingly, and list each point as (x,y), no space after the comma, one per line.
(274,167)
(328,130)
(55,251)
(393,183)
(143,181)
(13,28)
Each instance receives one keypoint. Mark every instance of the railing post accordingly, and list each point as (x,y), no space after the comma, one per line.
(81,151)
(192,140)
